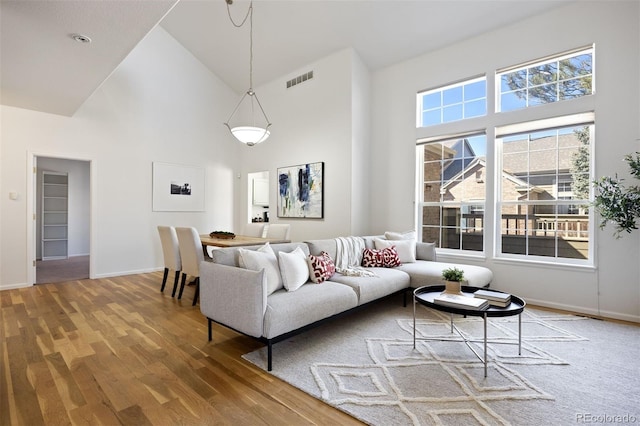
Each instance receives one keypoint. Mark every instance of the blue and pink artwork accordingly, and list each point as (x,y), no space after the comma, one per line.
(300,192)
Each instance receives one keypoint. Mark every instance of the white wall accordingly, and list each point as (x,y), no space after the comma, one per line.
(161,104)
(613,289)
(313,121)
(362,194)
(79,203)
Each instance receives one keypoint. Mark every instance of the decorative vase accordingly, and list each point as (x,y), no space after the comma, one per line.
(452,287)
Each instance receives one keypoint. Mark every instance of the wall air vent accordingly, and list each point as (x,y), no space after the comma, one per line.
(299,79)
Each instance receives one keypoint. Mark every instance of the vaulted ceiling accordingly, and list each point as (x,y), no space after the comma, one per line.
(43,68)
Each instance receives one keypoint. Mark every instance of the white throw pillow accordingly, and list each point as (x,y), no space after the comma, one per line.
(294,269)
(408,235)
(263,258)
(406,248)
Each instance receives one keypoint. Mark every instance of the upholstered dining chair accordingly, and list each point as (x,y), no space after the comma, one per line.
(171,254)
(279,231)
(191,254)
(253,229)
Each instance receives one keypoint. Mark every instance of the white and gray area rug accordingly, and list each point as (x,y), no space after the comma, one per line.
(573,370)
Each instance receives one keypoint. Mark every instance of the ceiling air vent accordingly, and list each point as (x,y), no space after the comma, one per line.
(300,79)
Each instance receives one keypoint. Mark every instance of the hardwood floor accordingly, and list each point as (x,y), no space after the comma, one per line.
(118,351)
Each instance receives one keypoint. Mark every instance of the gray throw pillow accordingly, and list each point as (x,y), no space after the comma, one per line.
(426,251)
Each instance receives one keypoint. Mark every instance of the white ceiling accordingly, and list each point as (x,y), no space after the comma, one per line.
(44,69)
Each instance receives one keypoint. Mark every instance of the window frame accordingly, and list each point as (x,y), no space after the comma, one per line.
(540,62)
(470,204)
(568,112)
(499,203)
(420,110)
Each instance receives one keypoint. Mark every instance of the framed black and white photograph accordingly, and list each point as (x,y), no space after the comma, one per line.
(178,188)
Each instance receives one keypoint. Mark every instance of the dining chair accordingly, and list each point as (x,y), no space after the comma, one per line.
(171,254)
(253,229)
(278,231)
(191,254)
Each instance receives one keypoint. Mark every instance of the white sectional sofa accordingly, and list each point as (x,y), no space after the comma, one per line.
(244,300)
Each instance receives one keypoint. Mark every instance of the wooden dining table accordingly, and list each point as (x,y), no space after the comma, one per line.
(238,241)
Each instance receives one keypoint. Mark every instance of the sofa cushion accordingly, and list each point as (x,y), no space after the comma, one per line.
(386,281)
(407,235)
(426,251)
(406,248)
(230,256)
(227,256)
(316,247)
(424,272)
(293,269)
(385,258)
(263,258)
(290,310)
(321,267)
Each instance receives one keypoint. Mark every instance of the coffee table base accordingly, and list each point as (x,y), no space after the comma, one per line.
(468,342)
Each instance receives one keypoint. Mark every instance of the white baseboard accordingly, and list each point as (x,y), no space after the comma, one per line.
(584,311)
(122,273)
(14,286)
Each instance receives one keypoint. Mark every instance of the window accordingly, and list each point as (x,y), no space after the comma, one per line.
(538,187)
(564,77)
(453,192)
(454,102)
(543,211)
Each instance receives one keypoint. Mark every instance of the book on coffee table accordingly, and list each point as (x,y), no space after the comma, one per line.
(461,301)
(495,298)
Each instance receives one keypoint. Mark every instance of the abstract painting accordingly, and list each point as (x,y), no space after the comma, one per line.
(300,191)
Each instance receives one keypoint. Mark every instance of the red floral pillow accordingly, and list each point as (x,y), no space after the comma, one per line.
(321,267)
(385,258)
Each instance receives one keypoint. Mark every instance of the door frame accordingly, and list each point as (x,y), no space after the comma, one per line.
(32,161)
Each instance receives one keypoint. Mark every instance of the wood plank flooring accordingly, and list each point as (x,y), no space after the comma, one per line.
(118,351)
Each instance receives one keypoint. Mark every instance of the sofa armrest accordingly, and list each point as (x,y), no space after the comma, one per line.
(234,297)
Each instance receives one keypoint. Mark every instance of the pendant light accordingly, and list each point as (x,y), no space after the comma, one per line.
(254,133)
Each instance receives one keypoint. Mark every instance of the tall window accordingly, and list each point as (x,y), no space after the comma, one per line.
(544,193)
(453,192)
(540,188)
(454,102)
(564,77)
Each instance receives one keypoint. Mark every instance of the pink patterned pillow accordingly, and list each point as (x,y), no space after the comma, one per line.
(385,258)
(321,267)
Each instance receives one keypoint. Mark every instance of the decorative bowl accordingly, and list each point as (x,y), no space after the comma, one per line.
(222,235)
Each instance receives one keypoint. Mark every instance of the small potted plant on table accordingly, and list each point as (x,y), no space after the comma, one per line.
(453,278)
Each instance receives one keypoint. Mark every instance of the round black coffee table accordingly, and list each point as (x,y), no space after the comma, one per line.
(426,295)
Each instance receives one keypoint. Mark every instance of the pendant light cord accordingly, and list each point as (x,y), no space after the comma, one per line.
(249,15)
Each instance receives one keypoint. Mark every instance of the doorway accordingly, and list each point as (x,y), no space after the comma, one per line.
(258,200)
(62,202)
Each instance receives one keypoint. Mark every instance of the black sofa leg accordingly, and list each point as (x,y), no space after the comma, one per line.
(210,330)
(269,356)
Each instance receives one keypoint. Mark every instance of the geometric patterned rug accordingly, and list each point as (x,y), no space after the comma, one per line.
(367,366)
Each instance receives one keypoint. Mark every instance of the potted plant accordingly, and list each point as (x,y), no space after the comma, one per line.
(453,277)
(616,203)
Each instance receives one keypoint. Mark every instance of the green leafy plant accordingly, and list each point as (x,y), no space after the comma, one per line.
(453,274)
(616,203)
